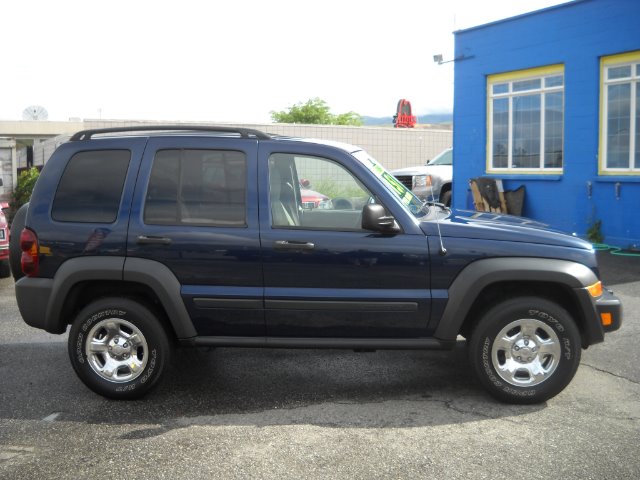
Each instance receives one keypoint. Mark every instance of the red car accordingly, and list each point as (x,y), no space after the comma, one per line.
(4,242)
(312,199)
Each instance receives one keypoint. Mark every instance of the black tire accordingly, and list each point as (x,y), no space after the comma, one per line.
(5,271)
(445,198)
(518,338)
(342,204)
(136,366)
(15,253)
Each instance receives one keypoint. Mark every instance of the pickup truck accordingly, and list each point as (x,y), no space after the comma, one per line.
(432,181)
(138,240)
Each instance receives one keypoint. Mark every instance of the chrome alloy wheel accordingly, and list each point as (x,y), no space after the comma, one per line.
(526,352)
(116,350)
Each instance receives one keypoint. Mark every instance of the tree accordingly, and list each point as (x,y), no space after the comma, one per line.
(315,111)
(22,192)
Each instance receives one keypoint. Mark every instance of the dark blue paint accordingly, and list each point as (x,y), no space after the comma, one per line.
(240,266)
(63,240)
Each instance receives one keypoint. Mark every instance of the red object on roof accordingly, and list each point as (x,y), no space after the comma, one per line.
(403,117)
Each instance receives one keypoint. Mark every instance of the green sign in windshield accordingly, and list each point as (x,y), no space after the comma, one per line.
(406,196)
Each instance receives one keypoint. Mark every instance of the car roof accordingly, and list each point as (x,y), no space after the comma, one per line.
(347,147)
(203,130)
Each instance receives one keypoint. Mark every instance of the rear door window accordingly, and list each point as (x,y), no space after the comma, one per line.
(197,187)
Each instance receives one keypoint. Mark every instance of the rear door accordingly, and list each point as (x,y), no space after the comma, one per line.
(197,214)
(324,275)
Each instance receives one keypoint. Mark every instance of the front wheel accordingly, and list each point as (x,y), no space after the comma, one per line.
(118,348)
(445,198)
(525,350)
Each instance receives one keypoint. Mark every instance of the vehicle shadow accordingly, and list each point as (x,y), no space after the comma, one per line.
(259,387)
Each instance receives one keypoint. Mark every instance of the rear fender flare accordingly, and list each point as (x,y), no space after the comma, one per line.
(155,275)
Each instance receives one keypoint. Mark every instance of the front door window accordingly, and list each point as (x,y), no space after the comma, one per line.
(309,192)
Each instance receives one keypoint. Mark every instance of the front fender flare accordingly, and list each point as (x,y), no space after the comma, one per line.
(469,284)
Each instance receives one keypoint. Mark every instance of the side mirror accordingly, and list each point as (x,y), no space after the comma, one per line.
(374,217)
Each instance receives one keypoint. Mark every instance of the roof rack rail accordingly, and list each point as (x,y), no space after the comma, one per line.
(243,132)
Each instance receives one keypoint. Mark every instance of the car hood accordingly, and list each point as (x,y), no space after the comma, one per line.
(306,193)
(499,227)
(440,170)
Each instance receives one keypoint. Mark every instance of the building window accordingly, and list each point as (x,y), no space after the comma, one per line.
(620,114)
(526,121)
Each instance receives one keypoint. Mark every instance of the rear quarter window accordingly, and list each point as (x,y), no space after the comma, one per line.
(91,187)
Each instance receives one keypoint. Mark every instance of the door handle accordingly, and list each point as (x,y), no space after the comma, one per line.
(146,240)
(292,245)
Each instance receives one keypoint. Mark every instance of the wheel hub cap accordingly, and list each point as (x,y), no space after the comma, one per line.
(116,350)
(119,349)
(526,352)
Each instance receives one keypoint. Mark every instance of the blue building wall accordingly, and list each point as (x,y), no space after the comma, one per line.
(576,35)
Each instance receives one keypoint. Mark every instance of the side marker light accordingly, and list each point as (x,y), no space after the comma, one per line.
(595,290)
(606,319)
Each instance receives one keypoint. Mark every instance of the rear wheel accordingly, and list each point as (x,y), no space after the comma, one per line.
(525,350)
(118,348)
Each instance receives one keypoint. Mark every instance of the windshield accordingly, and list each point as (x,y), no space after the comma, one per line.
(406,196)
(443,158)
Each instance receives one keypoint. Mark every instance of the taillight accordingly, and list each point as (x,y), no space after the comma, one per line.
(30,259)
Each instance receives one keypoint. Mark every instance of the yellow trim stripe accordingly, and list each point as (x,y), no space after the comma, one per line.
(628,57)
(524,171)
(520,74)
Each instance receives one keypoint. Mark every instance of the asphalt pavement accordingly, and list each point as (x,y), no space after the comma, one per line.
(319,414)
(619,267)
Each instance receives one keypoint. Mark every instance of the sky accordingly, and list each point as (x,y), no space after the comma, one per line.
(232,61)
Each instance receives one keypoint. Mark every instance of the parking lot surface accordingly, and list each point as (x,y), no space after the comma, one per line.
(260,413)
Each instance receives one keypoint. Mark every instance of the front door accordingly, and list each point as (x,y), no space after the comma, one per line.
(324,275)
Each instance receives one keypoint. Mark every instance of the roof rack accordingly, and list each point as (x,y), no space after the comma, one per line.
(243,132)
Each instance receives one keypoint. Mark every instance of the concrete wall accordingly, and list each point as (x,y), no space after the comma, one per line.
(7,153)
(395,148)
(576,35)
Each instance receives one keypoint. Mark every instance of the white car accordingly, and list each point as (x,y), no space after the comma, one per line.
(432,181)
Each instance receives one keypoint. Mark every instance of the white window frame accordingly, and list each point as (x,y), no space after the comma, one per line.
(510,78)
(632,60)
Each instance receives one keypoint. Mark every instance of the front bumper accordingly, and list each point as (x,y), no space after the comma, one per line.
(609,310)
